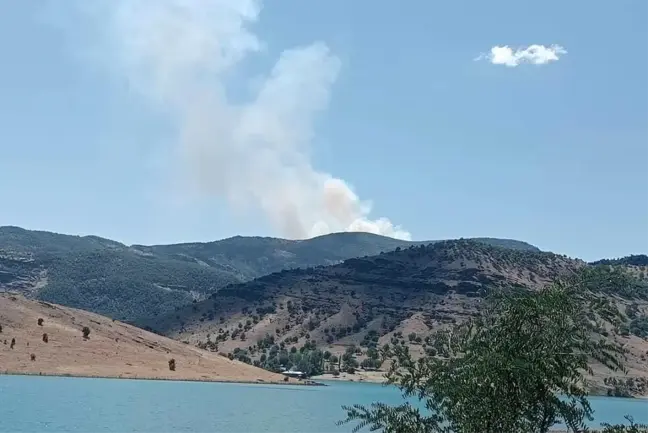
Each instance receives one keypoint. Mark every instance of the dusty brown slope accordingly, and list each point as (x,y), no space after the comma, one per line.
(113,349)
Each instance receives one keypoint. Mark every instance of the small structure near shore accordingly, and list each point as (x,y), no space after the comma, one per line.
(293,373)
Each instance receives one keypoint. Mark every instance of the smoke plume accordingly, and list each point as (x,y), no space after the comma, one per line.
(181,54)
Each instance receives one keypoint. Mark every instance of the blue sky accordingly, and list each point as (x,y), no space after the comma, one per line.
(385,96)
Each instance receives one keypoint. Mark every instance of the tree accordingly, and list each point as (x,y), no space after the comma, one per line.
(86,332)
(349,362)
(619,428)
(45,338)
(497,373)
(172,364)
(40,321)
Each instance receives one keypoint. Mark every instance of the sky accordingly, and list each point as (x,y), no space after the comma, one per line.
(175,121)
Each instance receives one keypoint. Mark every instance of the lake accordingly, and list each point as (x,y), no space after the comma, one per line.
(63,404)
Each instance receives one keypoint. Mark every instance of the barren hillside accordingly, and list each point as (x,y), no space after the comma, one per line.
(112,349)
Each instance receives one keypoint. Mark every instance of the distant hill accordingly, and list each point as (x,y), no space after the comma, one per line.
(138,283)
(631,260)
(252,257)
(397,297)
(113,349)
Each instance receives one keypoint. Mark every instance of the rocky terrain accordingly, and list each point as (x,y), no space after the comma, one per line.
(37,337)
(135,283)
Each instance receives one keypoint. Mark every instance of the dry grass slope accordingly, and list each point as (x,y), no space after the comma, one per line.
(112,349)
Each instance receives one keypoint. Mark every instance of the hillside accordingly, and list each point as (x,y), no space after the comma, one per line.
(139,283)
(424,278)
(397,297)
(112,349)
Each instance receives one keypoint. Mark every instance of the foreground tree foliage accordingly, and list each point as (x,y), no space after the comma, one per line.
(503,371)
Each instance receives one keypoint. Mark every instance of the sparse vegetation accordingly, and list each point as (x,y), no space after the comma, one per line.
(40,322)
(172,364)
(415,290)
(32,357)
(86,332)
(45,338)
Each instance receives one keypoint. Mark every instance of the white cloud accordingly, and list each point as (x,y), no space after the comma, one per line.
(533,54)
(181,55)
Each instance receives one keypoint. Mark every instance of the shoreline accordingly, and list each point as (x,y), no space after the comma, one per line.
(165,379)
(377,377)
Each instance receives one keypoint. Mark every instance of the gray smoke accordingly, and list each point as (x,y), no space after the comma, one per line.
(181,55)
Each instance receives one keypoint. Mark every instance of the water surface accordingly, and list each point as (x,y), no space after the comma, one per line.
(63,404)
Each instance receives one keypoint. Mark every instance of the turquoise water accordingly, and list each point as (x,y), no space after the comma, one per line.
(59,404)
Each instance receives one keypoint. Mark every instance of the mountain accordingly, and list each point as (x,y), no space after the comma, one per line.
(137,283)
(397,297)
(52,335)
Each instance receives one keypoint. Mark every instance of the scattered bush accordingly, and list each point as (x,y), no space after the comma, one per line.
(86,332)
(45,338)
(13,343)
(32,357)
(172,364)
(40,321)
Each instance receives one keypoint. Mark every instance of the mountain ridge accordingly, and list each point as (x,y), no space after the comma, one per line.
(138,282)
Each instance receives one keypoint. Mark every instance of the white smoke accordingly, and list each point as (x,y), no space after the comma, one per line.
(181,54)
